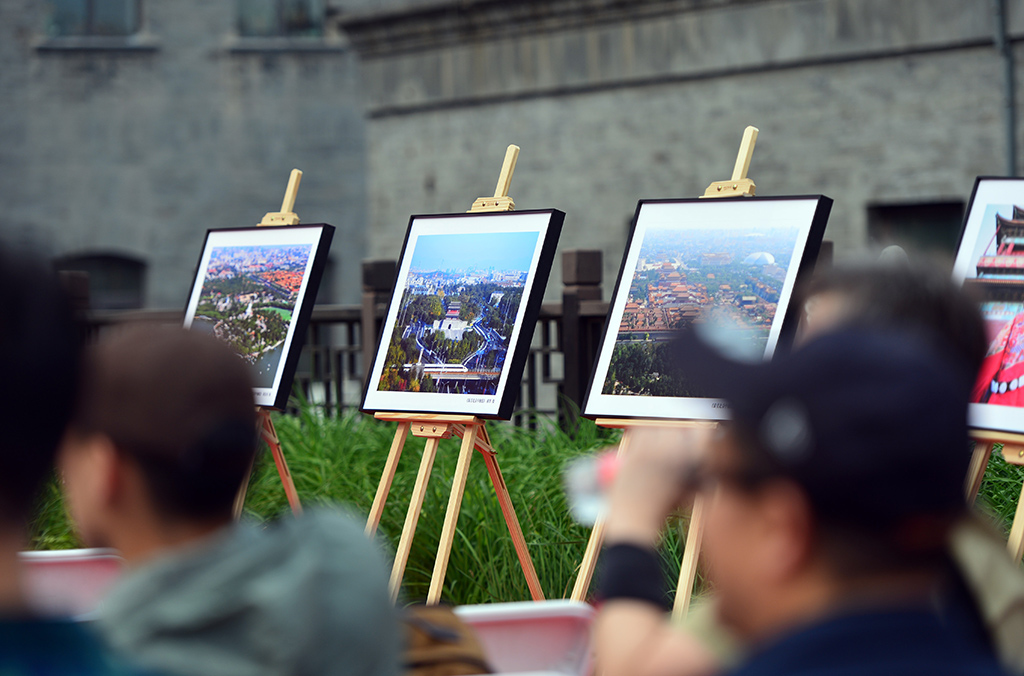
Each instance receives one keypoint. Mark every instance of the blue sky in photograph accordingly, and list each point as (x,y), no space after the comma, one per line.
(499,250)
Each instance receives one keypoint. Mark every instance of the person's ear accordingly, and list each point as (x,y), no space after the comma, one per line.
(92,484)
(112,470)
(787,524)
(92,464)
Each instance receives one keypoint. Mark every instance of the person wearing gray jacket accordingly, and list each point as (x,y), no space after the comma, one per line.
(163,438)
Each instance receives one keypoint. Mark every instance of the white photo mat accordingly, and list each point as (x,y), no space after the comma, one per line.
(472,225)
(296,235)
(990,196)
(798,214)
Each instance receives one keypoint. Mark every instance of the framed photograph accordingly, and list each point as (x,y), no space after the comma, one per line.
(727,266)
(990,260)
(254,289)
(461,318)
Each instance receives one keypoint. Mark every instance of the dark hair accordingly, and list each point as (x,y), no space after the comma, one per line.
(914,297)
(180,405)
(40,346)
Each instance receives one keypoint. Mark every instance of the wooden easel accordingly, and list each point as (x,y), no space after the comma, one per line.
(472,431)
(738,185)
(1013,453)
(263,420)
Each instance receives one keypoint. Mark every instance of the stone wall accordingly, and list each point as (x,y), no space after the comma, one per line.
(137,146)
(867,101)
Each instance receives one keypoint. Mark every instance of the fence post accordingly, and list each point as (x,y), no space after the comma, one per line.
(378,283)
(581,280)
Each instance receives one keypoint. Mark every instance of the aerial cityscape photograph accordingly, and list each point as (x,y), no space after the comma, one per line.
(457,312)
(731,277)
(247,300)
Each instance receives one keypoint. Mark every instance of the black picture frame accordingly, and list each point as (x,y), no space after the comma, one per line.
(1001,292)
(474,384)
(220,290)
(710,215)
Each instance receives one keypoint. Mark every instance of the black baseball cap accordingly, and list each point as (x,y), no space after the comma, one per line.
(871,423)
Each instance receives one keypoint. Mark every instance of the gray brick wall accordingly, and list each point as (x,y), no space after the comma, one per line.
(867,101)
(140,151)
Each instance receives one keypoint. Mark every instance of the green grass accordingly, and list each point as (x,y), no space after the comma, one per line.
(1000,489)
(340,460)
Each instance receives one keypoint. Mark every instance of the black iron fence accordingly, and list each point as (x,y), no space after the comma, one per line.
(342,339)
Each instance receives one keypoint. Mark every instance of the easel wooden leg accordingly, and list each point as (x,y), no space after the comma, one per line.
(243,490)
(413,515)
(1015,545)
(976,471)
(514,529)
(384,487)
(691,552)
(589,563)
(1013,453)
(270,436)
(451,517)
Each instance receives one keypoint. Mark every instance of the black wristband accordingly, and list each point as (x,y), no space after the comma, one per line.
(631,572)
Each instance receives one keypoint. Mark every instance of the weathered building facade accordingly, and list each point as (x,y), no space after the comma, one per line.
(131,147)
(891,108)
(127,148)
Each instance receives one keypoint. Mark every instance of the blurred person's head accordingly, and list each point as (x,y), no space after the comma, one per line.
(40,347)
(164,435)
(915,297)
(836,479)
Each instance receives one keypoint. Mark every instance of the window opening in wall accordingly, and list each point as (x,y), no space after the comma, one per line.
(93,17)
(281,18)
(932,227)
(115,282)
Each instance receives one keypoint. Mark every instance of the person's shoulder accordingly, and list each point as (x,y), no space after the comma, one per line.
(56,647)
(327,532)
(881,643)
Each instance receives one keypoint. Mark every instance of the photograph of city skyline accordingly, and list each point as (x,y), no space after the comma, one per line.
(247,300)
(457,312)
(731,277)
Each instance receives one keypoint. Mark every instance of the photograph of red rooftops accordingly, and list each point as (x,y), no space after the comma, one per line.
(247,300)
(732,277)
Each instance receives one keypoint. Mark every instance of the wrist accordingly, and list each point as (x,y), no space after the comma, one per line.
(640,532)
(633,572)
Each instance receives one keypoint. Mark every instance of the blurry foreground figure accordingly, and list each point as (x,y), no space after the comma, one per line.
(924,299)
(164,437)
(39,357)
(832,495)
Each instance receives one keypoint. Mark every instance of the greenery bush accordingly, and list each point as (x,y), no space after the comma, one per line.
(340,460)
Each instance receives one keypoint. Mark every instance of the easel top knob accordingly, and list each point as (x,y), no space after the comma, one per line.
(286,216)
(500,201)
(739,184)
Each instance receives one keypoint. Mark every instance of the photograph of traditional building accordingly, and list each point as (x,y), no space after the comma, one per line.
(999,281)
(731,277)
(727,268)
(253,289)
(247,300)
(457,331)
(990,263)
(458,312)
